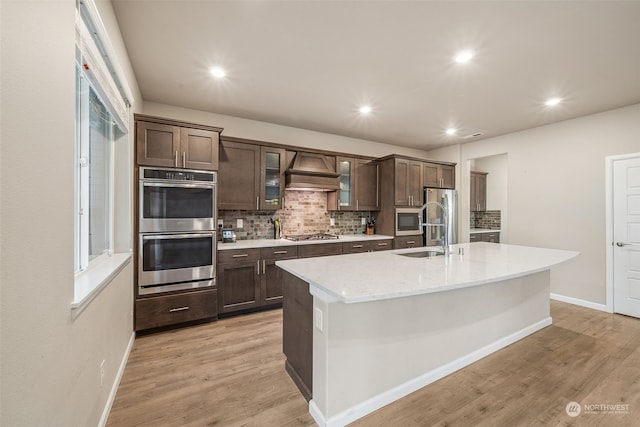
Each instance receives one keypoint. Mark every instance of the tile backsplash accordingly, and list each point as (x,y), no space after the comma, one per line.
(305,212)
(489,220)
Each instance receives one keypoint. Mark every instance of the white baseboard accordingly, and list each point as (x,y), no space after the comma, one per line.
(580,302)
(116,382)
(368,406)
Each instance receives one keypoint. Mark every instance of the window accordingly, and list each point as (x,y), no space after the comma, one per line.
(95,135)
(101,119)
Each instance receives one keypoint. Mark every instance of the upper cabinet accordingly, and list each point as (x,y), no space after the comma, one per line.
(408,182)
(272,164)
(438,175)
(167,143)
(251,177)
(359,185)
(478,191)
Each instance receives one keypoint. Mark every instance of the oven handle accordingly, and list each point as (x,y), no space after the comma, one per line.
(177,236)
(174,184)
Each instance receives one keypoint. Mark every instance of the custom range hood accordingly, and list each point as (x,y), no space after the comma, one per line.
(313,172)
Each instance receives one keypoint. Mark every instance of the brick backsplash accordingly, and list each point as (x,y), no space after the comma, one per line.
(305,212)
(489,220)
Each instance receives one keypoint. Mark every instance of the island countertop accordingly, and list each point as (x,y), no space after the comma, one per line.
(383,275)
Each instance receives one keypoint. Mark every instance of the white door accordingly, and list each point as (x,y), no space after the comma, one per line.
(626,235)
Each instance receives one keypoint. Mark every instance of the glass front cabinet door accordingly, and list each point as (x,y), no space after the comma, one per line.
(272,174)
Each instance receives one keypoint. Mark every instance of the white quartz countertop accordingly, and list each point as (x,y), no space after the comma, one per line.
(267,243)
(483,230)
(382,275)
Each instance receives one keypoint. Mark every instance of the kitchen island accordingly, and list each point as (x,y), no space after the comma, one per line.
(363,330)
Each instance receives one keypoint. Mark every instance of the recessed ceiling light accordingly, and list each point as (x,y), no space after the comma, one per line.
(451,131)
(552,101)
(217,72)
(365,109)
(464,56)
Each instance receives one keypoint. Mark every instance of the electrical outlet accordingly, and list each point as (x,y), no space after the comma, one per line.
(363,220)
(102,373)
(239,223)
(332,221)
(220,223)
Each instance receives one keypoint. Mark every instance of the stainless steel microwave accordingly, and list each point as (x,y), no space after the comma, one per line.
(408,221)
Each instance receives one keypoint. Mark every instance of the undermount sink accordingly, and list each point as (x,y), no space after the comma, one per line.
(423,254)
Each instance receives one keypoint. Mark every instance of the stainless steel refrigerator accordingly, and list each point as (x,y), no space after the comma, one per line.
(434,216)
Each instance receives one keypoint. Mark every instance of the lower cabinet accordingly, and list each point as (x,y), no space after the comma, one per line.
(405,242)
(250,279)
(491,237)
(367,246)
(164,310)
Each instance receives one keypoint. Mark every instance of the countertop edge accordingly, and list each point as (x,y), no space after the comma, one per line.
(268,243)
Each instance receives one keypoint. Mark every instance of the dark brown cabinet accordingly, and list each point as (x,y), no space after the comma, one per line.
(164,310)
(478,191)
(367,185)
(359,186)
(170,145)
(367,246)
(238,279)
(320,249)
(249,278)
(272,164)
(438,175)
(490,237)
(408,182)
(405,242)
(251,177)
(271,276)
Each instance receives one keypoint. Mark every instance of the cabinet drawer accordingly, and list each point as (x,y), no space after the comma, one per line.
(234,255)
(320,249)
(355,247)
(167,310)
(276,253)
(381,245)
(408,242)
(475,237)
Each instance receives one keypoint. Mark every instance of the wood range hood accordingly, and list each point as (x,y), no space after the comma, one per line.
(312,172)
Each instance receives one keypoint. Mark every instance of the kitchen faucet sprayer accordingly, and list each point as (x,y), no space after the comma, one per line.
(445,214)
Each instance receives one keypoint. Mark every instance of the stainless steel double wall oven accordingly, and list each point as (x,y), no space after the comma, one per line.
(177,230)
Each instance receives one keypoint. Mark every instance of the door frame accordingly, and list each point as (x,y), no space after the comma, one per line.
(609,162)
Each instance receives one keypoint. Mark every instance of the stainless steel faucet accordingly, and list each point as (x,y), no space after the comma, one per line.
(445,214)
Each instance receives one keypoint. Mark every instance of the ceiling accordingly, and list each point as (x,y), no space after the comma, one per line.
(312,64)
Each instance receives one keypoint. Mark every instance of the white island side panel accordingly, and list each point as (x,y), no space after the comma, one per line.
(370,354)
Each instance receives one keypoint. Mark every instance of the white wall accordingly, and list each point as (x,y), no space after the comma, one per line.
(49,363)
(268,132)
(556,190)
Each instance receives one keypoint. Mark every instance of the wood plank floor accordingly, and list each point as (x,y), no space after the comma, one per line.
(231,373)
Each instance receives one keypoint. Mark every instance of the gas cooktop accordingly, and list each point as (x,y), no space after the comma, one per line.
(317,236)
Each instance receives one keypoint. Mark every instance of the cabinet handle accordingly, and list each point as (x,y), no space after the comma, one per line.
(280,252)
(258,203)
(357,246)
(264,267)
(173,310)
(382,244)
(411,242)
(175,161)
(258,266)
(357,205)
(241,256)
(184,164)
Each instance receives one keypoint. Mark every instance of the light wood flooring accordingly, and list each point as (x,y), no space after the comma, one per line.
(231,373)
